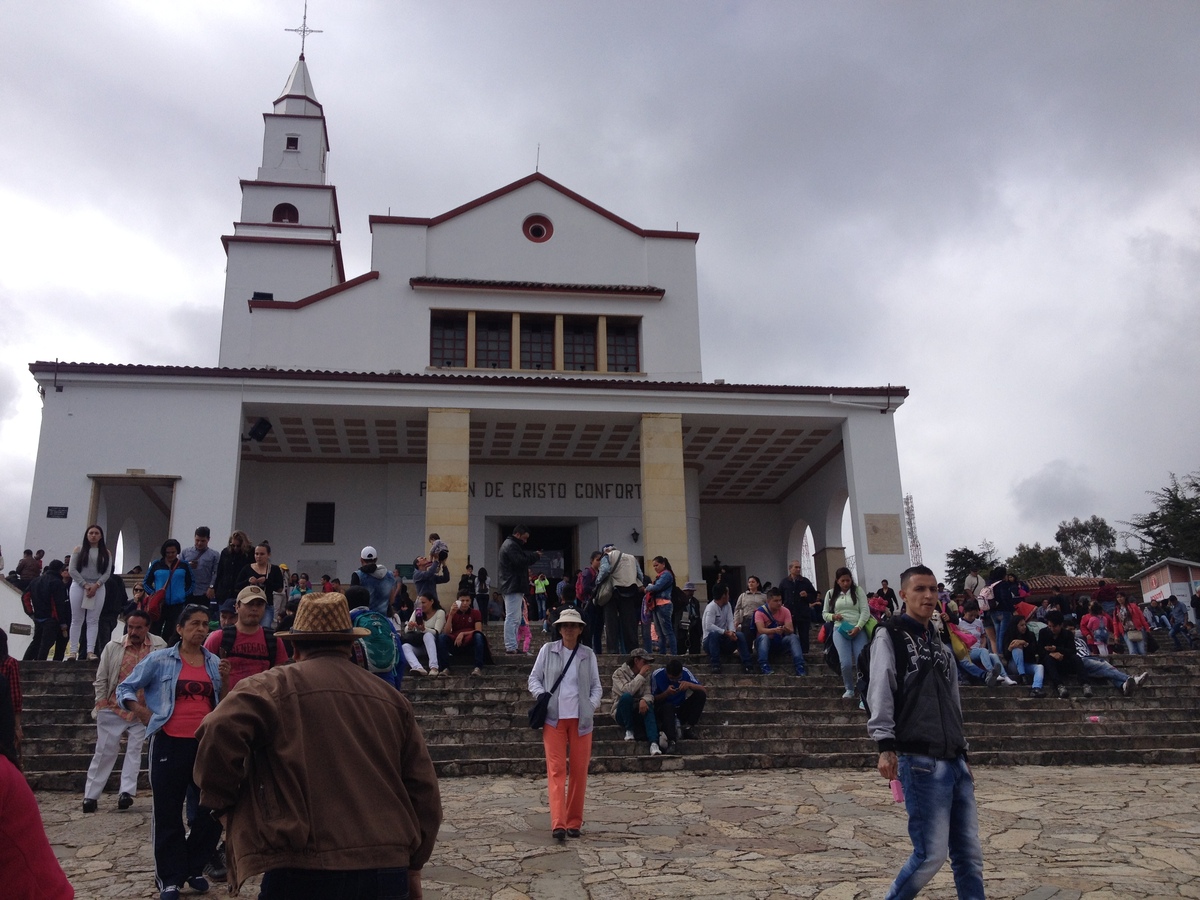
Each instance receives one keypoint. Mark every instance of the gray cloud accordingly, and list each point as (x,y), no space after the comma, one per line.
(1058,490)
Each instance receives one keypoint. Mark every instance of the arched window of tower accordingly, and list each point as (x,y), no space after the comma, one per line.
(285,212)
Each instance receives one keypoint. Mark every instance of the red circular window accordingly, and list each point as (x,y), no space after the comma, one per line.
(538,229)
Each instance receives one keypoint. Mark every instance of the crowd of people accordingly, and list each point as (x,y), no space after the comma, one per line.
(168,678)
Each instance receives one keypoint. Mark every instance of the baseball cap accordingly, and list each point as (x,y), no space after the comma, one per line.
(251,593)
(639,653)
(229,608)
(368,553)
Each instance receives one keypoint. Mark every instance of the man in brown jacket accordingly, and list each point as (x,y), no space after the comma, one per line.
(320,773)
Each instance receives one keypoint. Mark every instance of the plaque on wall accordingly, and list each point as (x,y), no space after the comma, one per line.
(56,512)
(884,534)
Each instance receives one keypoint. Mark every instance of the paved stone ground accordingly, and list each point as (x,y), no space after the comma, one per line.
(1117,833)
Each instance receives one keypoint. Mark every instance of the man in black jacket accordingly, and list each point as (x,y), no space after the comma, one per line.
(515,561)
(51,611)
(798,596)
(1056,647)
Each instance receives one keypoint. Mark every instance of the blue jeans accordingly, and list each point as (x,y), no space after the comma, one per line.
(968,667)
(715,644)
(1137,648)
(666,630)
(939,795)
(1094,667)
(446,648)
(984,658)
(848,649)
(1177,629)
(512,619)
(765,643)
(1018,663)
(626,713)
(1002,622)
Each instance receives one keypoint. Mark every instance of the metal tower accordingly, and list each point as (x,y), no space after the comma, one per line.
(910,522)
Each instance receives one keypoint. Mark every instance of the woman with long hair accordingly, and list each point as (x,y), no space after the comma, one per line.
(91,564)
(1131,624)
(846,611)
(658,595)
(170,692)
(262,573)
(567,732)
(427,622)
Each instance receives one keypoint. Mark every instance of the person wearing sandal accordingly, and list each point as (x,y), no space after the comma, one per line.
(567,733)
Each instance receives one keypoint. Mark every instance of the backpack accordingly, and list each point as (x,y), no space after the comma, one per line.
(986,597)
(904,650)
(679,599)
(229,635)
(379,650)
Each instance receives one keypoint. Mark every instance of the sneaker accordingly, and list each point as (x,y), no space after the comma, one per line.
(716,668)
(1139,680)
(767,670)
(170,892)
(862,706)
(477,671)
(573,832)
(435,672)
(1004,679)
(671,749)
(1127,686)
(1063,693)
(1087,690)
(663,741)
(217,868)
(993,676)
(849,695)
(124,801)
(559,834)
(89,806)
(198,883)
(71,656)
(655,750)
(689,734)
(628,734)
(1037,692)
(92,657)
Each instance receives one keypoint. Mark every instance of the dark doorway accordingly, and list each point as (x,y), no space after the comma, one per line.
(557,543)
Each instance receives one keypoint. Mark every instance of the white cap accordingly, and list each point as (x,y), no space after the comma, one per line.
(369,553)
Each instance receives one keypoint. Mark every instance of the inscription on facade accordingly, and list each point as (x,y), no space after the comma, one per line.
(555,490)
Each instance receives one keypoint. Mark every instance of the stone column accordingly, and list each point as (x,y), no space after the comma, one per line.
(664,495)
(826,562)
(447,479)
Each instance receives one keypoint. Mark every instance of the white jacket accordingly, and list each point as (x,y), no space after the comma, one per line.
(108,674)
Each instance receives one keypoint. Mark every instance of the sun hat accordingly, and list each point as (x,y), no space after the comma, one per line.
(569,615)
(323,617)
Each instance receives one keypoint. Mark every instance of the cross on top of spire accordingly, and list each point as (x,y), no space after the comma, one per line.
(304,31)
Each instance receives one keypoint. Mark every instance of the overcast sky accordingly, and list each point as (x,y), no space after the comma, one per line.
(993,204)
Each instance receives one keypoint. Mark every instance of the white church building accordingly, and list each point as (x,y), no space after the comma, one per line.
(527,357)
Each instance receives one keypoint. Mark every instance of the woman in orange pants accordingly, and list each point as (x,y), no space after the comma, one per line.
(567,734)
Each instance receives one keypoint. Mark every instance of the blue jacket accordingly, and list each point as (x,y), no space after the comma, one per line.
(180,587)
(662,586)
(157,675)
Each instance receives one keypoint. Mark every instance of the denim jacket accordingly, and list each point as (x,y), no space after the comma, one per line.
(158,674)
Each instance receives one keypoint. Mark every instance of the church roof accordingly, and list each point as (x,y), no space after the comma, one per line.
(548,380)
(298,97)
(520,183)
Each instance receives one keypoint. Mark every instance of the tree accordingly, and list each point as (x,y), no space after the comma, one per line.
(1172,528)
(960,562)
(1086,545)
(1028,561)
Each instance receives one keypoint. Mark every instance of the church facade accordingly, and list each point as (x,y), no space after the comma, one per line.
(527,357)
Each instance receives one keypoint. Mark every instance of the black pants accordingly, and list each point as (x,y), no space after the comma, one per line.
(177,857)
(595,628)
(166,625)
(1058,670)
(688,713)
(622,617)
(353,884)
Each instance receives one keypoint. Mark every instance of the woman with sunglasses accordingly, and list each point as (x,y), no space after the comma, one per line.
(170,692)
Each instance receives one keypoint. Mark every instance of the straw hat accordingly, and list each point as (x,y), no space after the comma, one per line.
(323,617)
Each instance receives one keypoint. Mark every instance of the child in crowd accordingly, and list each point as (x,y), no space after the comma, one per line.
(971,624)
(524,635)
(1097,630)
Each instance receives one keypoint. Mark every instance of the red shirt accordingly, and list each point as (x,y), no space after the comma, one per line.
(462,621)
(193,701)
(26,859)
(249,654)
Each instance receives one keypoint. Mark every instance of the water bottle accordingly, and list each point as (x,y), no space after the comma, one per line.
(897,790)
(1095,720)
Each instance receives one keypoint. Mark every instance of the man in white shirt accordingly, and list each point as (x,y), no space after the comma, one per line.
(719,634)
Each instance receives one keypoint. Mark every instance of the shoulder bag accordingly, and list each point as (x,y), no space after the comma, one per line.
(153,604)
(604,587)
(537,715)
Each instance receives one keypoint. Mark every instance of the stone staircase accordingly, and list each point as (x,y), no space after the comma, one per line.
(478,726)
